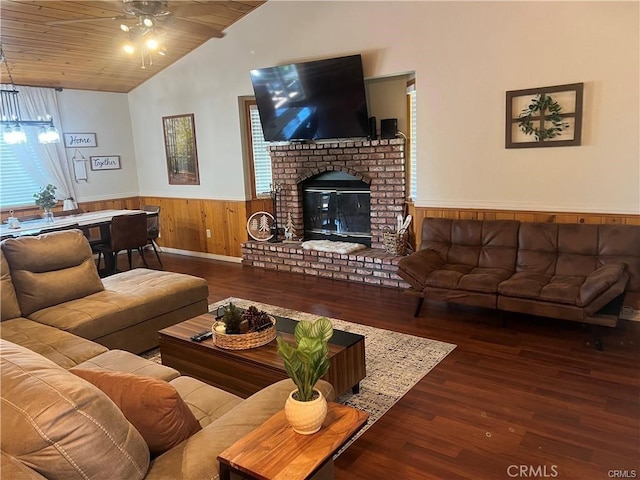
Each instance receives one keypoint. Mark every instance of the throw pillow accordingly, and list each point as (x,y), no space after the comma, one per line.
(152,406)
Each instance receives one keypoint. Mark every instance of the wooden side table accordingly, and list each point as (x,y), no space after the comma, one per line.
(274,451)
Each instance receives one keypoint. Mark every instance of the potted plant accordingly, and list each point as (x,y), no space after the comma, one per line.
(306,407)
(46,200)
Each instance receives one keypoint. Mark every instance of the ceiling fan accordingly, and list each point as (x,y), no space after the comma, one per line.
(155,12)
(152,20)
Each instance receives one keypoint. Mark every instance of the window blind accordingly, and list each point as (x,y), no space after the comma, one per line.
(261,157)
(16,184)
(413,148)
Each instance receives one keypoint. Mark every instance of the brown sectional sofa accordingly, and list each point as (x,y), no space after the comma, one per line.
(565,271)
(60,318)
(51,280)
(56,425)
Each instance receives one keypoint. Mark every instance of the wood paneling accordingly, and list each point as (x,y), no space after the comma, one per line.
(88,55)
(184,223)
(419,213)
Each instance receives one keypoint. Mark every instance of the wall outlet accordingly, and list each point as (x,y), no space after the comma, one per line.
(208,233)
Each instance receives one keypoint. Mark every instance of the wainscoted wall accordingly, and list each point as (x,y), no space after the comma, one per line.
(184,222)
(419,213)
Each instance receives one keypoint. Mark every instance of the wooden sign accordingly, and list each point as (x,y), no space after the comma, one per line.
(105,163)
(80,140)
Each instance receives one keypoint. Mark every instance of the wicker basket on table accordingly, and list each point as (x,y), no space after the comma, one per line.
(244,341)
(394,243)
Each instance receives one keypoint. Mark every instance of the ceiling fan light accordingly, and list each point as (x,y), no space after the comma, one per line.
(152,43)
(147,21)
(129,47)
(124,28)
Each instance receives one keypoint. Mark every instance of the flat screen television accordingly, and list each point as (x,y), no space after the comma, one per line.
(314,100)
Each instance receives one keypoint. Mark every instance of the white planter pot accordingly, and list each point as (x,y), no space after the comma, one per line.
(306,417)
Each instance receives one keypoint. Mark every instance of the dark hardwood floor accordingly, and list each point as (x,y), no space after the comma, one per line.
(532,400)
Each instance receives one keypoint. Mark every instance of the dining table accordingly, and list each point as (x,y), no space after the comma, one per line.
(100,219)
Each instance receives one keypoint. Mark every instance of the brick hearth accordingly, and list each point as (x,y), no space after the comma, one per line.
(381,164)
(372,265)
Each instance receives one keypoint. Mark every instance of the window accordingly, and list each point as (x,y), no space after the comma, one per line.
(412,176)
(17,182)
(260,159)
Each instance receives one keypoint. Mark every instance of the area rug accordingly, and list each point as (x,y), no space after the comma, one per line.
(395,361)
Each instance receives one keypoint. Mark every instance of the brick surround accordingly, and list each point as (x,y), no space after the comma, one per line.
(381,164)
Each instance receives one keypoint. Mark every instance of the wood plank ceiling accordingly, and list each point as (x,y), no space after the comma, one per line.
(87,54)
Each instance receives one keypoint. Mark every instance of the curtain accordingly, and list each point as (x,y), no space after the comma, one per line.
(38,102)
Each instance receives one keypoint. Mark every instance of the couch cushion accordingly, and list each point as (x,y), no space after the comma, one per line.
(197,457)
(153,406)
(14,469)
(600,281)
(129,298)
(127,362)
(415,268)
(537,248)
(539,286)
(206,402)
(8,301)
(51,269)
(62,348)
(62,426)
(486,244)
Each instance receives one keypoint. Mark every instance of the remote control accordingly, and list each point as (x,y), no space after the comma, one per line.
(199,337)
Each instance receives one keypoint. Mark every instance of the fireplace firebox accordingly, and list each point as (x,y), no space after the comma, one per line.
(337,206)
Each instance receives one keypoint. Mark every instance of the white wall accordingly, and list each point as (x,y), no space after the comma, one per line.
(465,56)
(106,115)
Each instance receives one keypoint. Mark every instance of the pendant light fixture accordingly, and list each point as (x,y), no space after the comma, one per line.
(11,119)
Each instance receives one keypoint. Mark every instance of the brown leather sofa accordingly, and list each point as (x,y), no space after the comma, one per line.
(51,280)
(565,271)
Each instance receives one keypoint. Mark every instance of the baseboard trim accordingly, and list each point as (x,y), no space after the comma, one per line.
(211,256)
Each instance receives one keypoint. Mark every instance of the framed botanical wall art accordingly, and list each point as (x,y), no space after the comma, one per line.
(180,149)
(544,117)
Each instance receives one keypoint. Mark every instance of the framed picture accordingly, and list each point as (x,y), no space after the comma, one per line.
(80,140)
(544,117)
(105,163)
(180,149)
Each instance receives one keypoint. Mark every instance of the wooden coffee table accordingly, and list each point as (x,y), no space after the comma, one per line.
(275,451)
(244,372)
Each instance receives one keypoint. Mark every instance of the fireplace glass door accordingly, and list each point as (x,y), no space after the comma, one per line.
(337,208)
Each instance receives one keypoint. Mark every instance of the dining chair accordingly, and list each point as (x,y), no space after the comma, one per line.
(153,228)
(126,233)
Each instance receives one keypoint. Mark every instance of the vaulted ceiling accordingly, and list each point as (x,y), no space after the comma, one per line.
(79,44)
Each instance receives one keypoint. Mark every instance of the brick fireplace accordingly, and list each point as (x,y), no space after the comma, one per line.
(378,163)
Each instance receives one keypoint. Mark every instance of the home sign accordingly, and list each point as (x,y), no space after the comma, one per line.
(80,140)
